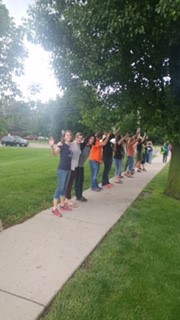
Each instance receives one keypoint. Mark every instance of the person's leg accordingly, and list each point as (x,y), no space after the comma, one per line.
(97,168)
(79,179)
(81,182)
(117,169)
(77,183)
(70,184)
(107,168)
(94,166)
(92,177)
(128,165)
(105,173)
(147,159)
(63,178)
(131,165)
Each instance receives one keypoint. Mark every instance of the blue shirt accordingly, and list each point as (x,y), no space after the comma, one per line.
(65,157)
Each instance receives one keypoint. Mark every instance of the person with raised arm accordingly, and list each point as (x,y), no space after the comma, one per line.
(64,171)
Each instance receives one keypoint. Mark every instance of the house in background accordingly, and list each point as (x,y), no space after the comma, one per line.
(17,131)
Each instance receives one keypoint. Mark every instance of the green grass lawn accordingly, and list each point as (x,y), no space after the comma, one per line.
(27,182)
(134,274)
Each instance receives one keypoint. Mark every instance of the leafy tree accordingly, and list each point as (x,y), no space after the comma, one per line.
(128,51)
(12,53)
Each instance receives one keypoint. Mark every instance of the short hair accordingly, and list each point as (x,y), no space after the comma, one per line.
(78,134)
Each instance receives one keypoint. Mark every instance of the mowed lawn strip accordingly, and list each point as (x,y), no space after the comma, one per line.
(134,273)
(27,182)
(28,179)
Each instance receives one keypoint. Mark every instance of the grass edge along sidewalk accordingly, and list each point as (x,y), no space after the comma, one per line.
(134,272)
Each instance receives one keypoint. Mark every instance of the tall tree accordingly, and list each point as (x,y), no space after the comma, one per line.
(12,53)
(128,51)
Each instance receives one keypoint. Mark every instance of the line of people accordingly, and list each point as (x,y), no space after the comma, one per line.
(99,148)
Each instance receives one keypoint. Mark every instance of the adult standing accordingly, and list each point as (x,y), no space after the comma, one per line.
(63,172)
(79,178)
(149,151)
(76,151)
(107,160)
(132,141)
(165,151)
(119,154)
(95,159)
(140,151)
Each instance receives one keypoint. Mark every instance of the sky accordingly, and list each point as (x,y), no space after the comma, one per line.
(37,69)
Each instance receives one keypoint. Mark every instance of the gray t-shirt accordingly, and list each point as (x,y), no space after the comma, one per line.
(76,151)
(84,155)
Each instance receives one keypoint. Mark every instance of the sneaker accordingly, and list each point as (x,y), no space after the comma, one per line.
(65,208)
(96,189)
(56,212)
(83,199)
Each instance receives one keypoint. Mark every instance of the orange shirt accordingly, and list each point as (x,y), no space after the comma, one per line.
(131,148)
(96,152)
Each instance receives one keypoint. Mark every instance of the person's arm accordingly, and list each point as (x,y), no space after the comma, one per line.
(135,139)
(143,138)
(103,143)
(55,150)
(122,140)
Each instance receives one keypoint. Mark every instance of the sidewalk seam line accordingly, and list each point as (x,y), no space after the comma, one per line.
(16,295)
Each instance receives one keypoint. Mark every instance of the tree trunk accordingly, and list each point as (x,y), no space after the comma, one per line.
(173,187)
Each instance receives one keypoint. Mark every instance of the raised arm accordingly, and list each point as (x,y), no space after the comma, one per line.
(55,150)
(103,143)
(122,139)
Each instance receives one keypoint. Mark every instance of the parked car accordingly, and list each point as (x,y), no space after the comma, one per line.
(43,138)
(14,141)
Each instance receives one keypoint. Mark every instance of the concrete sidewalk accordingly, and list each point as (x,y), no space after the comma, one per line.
(38,256)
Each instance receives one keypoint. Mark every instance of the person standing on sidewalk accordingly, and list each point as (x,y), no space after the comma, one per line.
(107,160)
(119,154)
(165,151)
(76,151)
(79,178)
(149,151)
(64,170)
(95,159)
(131,153)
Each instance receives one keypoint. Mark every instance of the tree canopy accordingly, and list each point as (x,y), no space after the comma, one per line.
(128,51)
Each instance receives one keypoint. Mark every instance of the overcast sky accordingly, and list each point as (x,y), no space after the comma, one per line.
(37,69)
(17,8)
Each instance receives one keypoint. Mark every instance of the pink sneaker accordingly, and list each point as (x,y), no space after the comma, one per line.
(65,207)
(56,212)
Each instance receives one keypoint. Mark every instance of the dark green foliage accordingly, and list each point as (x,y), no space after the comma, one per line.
(126,51)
